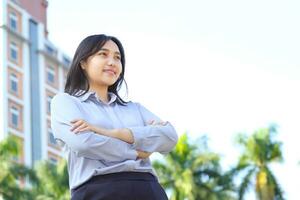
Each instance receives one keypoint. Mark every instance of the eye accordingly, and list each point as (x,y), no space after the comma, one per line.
(118,57)
(102,53)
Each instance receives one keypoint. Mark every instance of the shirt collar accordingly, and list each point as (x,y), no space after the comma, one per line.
(92,94)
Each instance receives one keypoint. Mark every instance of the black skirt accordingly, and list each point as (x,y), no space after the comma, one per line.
(120,186)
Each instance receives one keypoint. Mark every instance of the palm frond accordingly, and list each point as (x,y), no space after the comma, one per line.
(277,188)
(246,181)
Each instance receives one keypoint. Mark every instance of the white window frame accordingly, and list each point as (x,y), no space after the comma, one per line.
(13,17)
(14,78)
(50,70)
(49,98)
(49,133)
(53,160)
(15,111)
(13,47)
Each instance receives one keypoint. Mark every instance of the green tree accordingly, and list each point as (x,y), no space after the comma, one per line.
(11,172)
(52,181)
(192,172)
(258,152)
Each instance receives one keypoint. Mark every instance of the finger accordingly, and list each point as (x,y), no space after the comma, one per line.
(81,127)
(155,123)
(163,123)
(79,121)
(75,120)
(143,154)
(78,129)
(85,129)
(151,122)
(77,124)
(147,155)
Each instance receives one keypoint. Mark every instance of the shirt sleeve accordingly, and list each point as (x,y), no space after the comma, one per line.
(86,144)
(153,138)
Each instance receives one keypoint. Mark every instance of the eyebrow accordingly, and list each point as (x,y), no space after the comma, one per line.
(103,49)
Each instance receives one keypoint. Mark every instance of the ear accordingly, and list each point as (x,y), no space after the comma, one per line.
(82,64)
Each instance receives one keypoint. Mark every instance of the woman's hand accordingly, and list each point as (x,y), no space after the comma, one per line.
(153,122)
(124,134)
(143,154)
(80,125)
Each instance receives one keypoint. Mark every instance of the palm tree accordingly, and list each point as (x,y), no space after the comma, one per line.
(11,172)
(259,151)
(52,181)
(192,172)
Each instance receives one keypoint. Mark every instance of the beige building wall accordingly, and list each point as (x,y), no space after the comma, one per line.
(15,65)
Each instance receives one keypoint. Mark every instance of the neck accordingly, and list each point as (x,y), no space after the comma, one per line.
(102,92)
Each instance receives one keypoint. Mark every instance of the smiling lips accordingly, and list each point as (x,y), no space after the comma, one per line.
(110,71)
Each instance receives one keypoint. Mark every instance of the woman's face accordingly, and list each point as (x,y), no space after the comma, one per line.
(104,67)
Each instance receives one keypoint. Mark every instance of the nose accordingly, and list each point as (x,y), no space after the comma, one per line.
(111,61)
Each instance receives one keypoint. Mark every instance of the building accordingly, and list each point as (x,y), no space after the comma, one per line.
(32,71)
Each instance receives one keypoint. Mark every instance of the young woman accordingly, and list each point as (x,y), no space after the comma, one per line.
(107,141)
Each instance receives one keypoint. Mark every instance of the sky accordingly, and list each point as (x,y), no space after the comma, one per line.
(209,67)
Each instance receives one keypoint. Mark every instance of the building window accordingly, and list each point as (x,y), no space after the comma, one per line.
(49,98)
(66,61)
(13,51)
(51,138)
(50,75)
(15,114)
(13,21)
(50,50)
(13,83)
(53,161)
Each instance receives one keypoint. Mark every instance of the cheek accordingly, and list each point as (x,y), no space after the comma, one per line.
(93,73)
(120,69)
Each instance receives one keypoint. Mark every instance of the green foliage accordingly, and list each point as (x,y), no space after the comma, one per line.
(52,181)
(192,172)
(47,181)
(11,172)
(258,152)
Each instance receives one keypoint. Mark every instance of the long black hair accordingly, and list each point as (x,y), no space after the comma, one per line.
(76,78)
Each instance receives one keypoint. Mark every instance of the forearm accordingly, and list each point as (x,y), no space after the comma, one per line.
(90,145)
(123,134)
(156,138)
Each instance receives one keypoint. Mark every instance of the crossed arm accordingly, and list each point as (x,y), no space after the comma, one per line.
(124,134)
(115,144)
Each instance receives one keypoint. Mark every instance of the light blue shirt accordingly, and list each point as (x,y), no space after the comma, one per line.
(89,154)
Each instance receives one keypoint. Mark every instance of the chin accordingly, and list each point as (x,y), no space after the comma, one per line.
(110,83)
(107,82)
